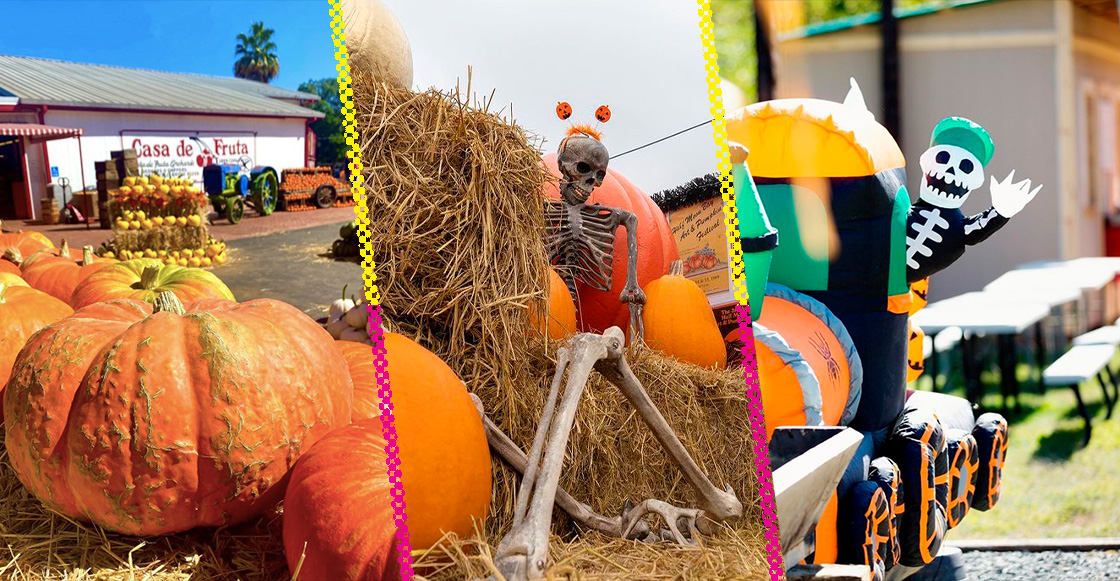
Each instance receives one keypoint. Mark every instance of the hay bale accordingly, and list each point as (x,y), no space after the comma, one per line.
(457,232)
(456,226)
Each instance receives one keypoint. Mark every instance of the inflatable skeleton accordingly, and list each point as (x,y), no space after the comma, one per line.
(580,243)
(952,168)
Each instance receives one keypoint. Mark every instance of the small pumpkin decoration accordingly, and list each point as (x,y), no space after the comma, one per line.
(657,248)
(359,357)
(144,279)
(58,276)
(679,321)
(23,311)
(561,310)
(915,353)
(338,510)
(153,419)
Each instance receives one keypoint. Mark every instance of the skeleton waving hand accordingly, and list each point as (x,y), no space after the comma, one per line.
(937,232)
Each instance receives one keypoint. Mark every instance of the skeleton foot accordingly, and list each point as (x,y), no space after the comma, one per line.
(675,519)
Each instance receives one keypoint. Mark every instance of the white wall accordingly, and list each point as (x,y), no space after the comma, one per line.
(269,141)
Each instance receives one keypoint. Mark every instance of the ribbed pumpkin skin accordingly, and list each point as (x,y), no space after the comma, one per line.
(359,357)
(339,511)
(122,281)
(9,267)
(657,248)
(445,460)
(179,421)
(26,242)
(23,311)
(59,277)
(679,321)
(10,279)
(561,310)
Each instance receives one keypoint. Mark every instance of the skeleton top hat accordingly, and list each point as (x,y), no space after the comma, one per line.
(953,166)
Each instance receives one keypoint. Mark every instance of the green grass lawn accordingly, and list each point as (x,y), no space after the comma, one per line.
(1052,486)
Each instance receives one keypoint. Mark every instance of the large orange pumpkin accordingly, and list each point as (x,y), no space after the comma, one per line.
(338,511)
(145,279)
(63,252)
(679,321)
(9,267)
(561,310)
(657,249)
(363,373)
(23,311)
(153,421)
(58,276)
(27,243)
(445,459)
(10,279)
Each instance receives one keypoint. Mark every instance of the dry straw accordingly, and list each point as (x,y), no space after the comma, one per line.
(457,235)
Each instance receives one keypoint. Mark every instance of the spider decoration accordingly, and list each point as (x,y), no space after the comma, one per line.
(819,343)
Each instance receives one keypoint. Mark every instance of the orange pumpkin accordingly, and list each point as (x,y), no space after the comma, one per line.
(27,243)
(445,459)
(12,279)
(338,510)
(915,353)
(359,356)
(561,310)
(58,276)
(679,321)
(657,248)
(150,420)
(23,311)
(9,267)
(145,279)
(63,252)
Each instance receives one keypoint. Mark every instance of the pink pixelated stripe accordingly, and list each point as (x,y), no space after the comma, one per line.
(761,449)
(385,393)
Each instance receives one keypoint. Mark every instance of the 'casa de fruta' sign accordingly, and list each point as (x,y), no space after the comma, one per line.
(175,156)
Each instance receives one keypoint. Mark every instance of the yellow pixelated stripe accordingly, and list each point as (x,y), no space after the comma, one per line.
(750,370)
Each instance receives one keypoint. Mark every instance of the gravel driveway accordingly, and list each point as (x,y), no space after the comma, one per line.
(1043,566)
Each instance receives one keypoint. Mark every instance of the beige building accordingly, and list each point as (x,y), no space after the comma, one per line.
(1042,76)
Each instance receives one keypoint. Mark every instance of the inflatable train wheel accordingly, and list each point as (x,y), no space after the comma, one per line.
(808,368)
(991,443)
(919,446)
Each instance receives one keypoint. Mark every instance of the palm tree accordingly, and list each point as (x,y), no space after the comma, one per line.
(257,55)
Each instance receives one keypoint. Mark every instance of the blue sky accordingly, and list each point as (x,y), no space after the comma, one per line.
(173,35)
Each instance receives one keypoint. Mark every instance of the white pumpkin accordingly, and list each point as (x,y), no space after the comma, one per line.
(357,317)
(376,42)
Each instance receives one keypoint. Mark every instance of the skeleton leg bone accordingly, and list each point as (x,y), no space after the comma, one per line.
(523,552)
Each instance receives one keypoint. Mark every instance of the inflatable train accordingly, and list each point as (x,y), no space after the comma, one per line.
(823,211)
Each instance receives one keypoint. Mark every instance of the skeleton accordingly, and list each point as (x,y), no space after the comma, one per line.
(581,236)
(523,552)
(937,231)
(580,243)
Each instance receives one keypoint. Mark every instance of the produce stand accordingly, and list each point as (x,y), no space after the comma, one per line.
(311,188)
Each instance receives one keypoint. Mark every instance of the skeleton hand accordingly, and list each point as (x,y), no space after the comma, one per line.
(632,295)
(1010,198)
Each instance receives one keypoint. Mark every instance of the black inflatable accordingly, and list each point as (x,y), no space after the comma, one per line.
(916,445)
(991,443)
(864,528)
(884,473)
(963,462)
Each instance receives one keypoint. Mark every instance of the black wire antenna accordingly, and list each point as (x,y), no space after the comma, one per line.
(655,142)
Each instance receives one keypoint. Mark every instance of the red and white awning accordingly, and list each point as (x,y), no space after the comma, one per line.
(38,133)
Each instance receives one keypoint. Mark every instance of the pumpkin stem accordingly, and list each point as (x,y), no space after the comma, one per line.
(64,249)
(13,255)
(344,287)
(168,302)
(676,268)
(87,255)
(149,277)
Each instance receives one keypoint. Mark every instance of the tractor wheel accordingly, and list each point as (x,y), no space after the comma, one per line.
(235,210)
(325,197)
(219,205)
(265,193)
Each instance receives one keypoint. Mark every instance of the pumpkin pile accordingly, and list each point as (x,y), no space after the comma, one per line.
(348,320)
(155,213)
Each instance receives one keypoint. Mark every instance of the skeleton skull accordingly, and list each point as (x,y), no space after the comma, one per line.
(951,173)
(583,163)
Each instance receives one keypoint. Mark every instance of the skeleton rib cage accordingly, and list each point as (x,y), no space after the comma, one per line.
(581,243)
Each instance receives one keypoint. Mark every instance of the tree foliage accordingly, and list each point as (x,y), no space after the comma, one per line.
(256,54)
(331,141)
